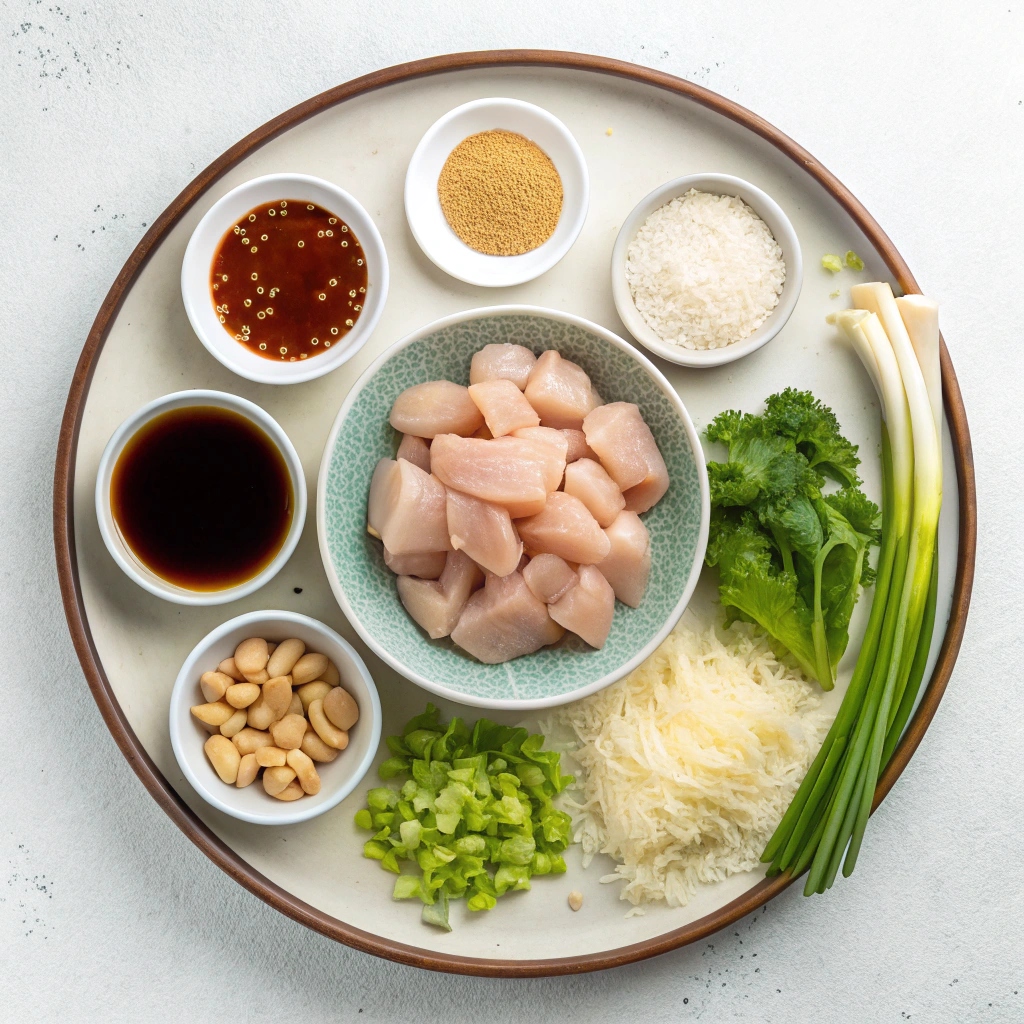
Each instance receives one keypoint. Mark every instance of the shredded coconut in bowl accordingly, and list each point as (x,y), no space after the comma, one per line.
(705,271)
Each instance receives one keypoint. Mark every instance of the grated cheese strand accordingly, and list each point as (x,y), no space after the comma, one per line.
(691,760)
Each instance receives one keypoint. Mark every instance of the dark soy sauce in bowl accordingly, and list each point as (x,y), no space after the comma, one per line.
(202,497)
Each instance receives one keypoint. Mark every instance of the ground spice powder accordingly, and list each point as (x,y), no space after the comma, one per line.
(500,193)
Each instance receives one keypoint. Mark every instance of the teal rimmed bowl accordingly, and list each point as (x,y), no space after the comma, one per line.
(365,587)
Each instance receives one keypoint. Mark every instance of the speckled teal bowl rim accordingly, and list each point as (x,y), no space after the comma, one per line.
(658,380)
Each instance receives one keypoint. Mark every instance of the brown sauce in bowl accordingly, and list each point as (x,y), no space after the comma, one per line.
(202,497)
(288,281)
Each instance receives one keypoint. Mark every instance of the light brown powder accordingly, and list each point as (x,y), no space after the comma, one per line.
(500,193)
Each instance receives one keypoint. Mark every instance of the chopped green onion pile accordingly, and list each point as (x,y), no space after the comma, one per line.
(473,800)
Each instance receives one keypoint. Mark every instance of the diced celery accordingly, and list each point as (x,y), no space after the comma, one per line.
(448,823)
(438,913)
(476,797)
(393,767)
(481,901)
(411,832)
(381,799)
(407,887)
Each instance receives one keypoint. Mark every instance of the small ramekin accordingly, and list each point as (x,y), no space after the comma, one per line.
(122,553)
(338,778)
(778,223)
(423,207)
(202,247)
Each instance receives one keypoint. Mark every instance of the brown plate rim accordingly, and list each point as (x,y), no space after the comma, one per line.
(67,565)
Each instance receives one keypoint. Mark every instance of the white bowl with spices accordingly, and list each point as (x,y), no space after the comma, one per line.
(522,155)
(668,221)
(351,228)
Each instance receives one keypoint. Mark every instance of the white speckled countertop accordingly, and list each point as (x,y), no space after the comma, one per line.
(107,913)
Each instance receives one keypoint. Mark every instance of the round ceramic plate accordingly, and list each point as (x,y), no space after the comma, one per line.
(364,585)
(361,136)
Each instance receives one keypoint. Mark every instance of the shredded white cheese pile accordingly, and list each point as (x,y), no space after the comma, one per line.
(705,271)
(691,760)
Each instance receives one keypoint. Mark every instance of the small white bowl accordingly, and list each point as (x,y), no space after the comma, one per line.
(123,554)
(338,778)
(778,223)
(202,247)
(423,207)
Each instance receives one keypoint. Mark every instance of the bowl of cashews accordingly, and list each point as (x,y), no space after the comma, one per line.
(274,718)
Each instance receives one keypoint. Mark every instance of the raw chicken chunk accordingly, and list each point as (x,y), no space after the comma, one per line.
(406,509)
(502,362)
(485,532)
(554,446)
(505,621)
(428,565)
(586,479)
(415,450)
(628,451)
(577,447)
(437,604)
(560,391)
(565,528)
(503,406)
(549,577)
(437,407)
(507,471)
(627,566)
(587,609)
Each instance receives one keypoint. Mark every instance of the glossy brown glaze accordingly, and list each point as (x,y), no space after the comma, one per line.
(203,497)
(288,280)
(64,536)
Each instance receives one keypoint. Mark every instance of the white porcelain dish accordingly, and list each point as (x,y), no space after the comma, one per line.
(118,547)
(767,209)
(129,642)
(423,207)
(338,778)
(202,247)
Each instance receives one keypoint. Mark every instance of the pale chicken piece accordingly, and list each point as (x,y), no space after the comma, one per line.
(485,532)
(427,566)
(506,471)
(560,391)
(503,406)
(406,509)
(629,453)
(549,577)
(587,480)
(587,608)
(436,407)
(502,362)
(565,528)
(436,605)
(627,566)
(505,621)
(415,450)
(554,445)
(577,447)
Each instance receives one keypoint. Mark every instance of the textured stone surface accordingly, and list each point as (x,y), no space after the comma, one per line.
(106,111)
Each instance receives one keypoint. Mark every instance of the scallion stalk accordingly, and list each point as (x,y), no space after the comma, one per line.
(897,341)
